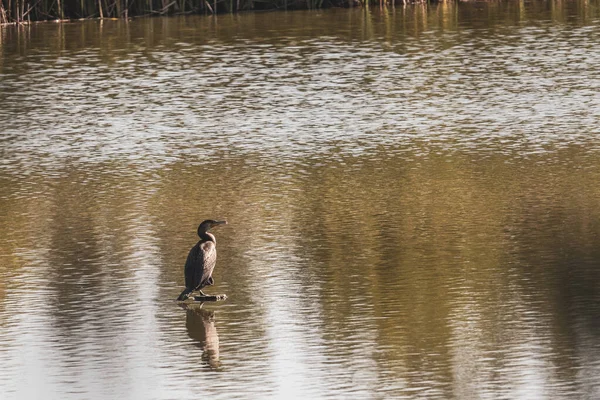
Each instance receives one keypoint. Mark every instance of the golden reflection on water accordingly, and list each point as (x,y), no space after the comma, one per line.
(450,275)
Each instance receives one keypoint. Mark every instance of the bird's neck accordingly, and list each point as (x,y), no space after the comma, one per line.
(207,237)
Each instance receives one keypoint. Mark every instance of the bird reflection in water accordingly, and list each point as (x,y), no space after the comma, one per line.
(200,325)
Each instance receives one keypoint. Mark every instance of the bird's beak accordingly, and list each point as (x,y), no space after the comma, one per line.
(220,223)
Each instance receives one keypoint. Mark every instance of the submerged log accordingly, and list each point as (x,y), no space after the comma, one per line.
(202,299)
(216,297)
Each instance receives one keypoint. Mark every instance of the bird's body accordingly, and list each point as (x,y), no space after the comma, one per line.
(201,260)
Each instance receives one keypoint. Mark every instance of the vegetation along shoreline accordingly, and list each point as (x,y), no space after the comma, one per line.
(29,11)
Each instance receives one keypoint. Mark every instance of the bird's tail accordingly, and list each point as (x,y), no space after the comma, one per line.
(185,294)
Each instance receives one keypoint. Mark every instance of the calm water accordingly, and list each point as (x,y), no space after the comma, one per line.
(412,197)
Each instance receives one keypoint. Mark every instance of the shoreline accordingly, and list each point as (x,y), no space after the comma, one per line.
(203,7)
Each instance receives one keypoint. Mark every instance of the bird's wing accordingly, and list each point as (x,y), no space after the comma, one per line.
(193,263)
(209,258)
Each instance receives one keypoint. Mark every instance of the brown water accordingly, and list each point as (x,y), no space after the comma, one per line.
(412,197)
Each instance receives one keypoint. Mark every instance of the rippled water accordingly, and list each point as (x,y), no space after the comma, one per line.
(412,197)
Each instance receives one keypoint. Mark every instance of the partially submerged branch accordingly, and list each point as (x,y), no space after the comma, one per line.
(202,299)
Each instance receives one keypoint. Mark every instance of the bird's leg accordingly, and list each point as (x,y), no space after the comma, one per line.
(202,293)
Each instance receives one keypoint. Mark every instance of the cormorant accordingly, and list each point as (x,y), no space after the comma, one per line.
(201,260)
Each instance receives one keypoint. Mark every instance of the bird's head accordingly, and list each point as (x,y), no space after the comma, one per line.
(205,226)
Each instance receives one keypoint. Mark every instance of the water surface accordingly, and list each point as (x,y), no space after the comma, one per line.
(412,197)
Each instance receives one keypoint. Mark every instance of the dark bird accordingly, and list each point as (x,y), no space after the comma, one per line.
(201,260)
